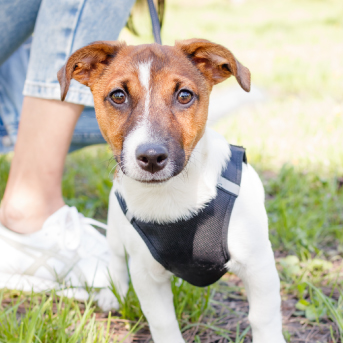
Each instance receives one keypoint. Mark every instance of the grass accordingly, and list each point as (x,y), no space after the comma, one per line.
(50,318)
(305,213)
(293,139)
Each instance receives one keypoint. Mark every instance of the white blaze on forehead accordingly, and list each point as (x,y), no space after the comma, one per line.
(143,134)
(144,74)
(144,78)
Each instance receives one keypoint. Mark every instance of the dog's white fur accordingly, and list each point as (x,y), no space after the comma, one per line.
(252,258)
(182,195)
(143,133)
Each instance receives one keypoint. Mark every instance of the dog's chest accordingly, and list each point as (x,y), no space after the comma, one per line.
(196,249)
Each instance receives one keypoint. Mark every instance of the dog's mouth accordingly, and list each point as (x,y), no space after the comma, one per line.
(150,180)
(135,169)
(154,182)
(147,179)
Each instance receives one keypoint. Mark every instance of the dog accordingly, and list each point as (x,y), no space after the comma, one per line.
(151,103)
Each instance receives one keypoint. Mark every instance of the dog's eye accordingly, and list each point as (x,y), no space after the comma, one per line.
(184,96)
(118,96)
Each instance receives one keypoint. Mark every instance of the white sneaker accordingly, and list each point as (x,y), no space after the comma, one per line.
(66,254)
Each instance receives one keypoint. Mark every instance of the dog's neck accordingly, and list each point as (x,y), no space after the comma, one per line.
(183,195)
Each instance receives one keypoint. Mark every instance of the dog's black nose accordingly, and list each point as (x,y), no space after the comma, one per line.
(152,157)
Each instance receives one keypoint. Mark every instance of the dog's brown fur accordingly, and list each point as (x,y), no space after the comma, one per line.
(195,64)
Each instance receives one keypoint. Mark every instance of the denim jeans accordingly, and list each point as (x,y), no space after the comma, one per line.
(29,64)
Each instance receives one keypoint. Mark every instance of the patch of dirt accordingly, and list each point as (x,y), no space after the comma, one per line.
(304,331)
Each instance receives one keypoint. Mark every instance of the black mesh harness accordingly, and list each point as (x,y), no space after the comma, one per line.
(196,249)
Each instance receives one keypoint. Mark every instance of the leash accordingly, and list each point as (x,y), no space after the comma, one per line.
(156,28)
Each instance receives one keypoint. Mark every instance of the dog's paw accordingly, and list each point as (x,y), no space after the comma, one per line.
(106,300)
(278,339)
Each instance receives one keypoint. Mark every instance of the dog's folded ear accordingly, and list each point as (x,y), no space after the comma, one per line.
(214,61)
(87,63)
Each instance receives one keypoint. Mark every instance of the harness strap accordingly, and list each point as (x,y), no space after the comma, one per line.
(230,179)
(156,28)
(228,186)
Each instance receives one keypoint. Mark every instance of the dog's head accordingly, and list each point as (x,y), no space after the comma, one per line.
(151,101)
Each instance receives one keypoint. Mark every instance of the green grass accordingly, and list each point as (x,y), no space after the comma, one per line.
(305,212)
(51,318)
(4,171)
(294,139)
(88,180)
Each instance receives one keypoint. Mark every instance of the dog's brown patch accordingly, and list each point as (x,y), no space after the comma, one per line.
(194,64)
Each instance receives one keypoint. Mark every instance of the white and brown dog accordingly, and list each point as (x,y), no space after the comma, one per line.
(151,103)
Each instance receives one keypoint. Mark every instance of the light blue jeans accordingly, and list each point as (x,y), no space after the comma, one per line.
(29,64)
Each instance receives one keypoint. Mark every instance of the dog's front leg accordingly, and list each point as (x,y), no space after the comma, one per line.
(263,290)
(252,259)
(156,299)
(117,266)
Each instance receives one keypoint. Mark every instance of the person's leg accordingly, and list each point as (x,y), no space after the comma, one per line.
(65,249)
(33,190)
(17,20)
(12,79)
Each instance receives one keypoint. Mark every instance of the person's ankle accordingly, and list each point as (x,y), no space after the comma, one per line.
(28,219)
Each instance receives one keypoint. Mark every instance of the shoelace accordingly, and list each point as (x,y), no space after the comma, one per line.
(72,222)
